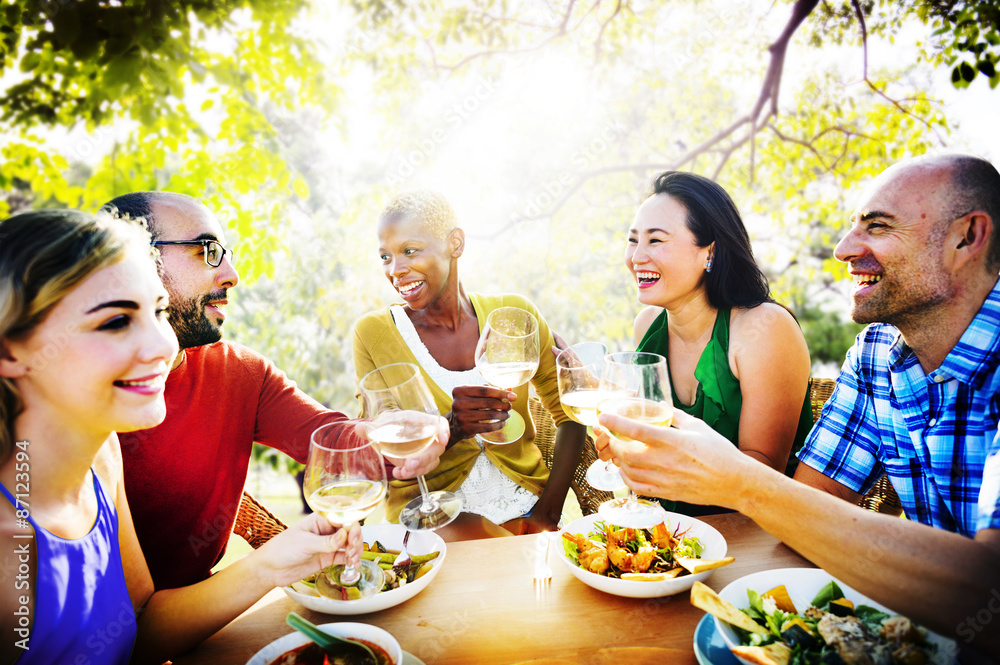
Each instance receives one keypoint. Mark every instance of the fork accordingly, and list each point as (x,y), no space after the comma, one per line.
(402,561)
(542,571)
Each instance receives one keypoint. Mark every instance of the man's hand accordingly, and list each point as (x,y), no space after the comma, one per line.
(687,462)
(427,460)
(477,409)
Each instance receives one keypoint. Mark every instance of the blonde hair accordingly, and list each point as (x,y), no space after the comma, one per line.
(44,255)
(430,207)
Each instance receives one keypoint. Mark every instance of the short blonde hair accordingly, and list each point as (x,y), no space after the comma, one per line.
(429,206)
(44,255)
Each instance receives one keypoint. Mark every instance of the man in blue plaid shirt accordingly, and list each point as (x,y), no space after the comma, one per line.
(917,399)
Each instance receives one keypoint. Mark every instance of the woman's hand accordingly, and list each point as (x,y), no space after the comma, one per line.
(534,523)
(602,441)
(307,546)
(477,409)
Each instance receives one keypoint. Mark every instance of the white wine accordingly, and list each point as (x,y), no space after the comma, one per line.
(347,501)
(581,405)
(507,375)
(404,433)
(644,411)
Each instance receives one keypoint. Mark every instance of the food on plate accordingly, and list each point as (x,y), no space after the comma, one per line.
(831,630)
(322,585)
(311,654)
(647,555)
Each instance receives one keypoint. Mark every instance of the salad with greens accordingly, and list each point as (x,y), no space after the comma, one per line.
(653,554)
(831,631)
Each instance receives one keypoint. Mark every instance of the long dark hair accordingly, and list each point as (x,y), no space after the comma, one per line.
(735,279)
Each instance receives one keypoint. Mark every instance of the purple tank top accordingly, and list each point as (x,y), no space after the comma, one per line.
(82,612)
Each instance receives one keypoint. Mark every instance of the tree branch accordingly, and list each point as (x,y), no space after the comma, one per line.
(560,31)
(864,50)
(600,33)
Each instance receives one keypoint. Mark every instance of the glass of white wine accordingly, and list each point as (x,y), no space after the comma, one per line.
(579,369)
(404,421)
(344,482)
(636,386)
(507,356)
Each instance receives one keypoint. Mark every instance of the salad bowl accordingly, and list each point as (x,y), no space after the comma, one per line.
(390,535)
(802,585)
(713,542)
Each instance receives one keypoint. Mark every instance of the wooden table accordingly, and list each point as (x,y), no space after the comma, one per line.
(483,608)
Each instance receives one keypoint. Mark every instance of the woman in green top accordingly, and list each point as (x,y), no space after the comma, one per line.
(737,359)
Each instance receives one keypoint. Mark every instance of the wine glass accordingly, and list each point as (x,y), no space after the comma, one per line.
(636,386)
(404,421)
(507,356)
(344,482)
(578,370)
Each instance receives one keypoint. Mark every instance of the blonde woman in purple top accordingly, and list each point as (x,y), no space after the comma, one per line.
(85,348)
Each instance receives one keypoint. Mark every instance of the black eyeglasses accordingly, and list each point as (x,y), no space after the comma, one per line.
(214,251)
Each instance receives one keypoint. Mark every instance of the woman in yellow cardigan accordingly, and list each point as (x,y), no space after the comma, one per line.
(505,489)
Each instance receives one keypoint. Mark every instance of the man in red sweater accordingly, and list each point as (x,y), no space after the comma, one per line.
(185,477)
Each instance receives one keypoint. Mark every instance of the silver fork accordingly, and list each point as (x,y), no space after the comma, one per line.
(403,559)
(542,571)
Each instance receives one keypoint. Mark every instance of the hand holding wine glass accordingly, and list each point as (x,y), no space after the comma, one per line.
(579,369)
(507,356)
(404,421)
(344,482)
(636,386)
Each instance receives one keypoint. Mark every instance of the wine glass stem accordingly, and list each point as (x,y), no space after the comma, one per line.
(350,574)
(632,502)
(427,504)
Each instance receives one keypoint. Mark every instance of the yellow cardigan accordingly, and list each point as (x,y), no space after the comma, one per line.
(377,343)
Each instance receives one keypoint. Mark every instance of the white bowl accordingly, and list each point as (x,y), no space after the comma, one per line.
(715,548)
(390,535)
(358,631)
(802,585)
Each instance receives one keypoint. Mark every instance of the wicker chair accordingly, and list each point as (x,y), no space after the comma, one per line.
(545,437)
(254,523)
(881,498)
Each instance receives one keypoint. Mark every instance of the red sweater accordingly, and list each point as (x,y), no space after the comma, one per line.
(185,477)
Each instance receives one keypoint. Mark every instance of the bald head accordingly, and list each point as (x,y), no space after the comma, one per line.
(150,206)
(428,207)
(951,186)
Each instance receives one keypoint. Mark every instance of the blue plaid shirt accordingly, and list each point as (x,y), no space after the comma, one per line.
(931,433)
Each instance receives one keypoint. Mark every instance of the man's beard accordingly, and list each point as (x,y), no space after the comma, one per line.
(191,324)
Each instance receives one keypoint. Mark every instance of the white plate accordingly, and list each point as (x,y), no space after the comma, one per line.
(390,535)
(344,629)
(802,585)
(715,548)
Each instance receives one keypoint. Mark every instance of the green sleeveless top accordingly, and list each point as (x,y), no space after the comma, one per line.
(718,400)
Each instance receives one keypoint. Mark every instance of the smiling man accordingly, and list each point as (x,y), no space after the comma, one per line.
(917,395)
(184,478)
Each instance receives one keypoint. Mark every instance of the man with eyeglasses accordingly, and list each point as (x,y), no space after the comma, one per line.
(184,478)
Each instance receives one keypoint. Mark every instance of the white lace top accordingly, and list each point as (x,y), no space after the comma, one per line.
(487,491)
